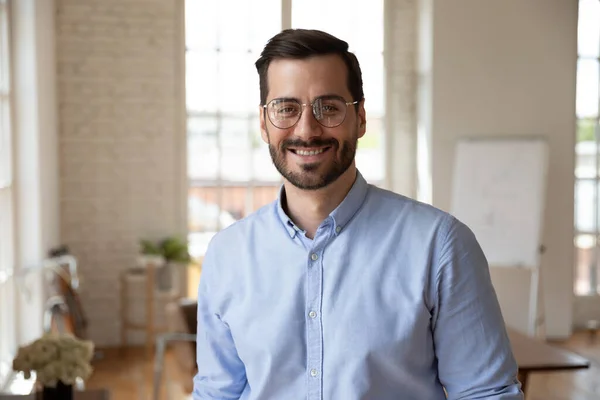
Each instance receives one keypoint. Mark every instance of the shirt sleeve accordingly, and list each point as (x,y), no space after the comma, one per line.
(475,359)
(221,374)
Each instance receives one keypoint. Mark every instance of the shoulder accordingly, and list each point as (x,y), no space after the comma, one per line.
(409,211)
(421,222)
(227,250)
(229,242)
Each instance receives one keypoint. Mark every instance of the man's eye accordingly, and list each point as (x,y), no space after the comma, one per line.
(286,110)
(329,109)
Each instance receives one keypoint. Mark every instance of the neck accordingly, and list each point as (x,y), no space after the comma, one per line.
(308,208)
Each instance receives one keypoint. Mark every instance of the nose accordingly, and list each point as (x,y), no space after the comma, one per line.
(308,127)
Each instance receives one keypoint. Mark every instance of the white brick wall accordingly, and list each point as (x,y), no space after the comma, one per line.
(121,174)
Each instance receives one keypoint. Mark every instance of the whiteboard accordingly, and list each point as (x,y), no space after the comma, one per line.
(498,190)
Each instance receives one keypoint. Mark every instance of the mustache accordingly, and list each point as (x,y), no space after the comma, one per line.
(318,142)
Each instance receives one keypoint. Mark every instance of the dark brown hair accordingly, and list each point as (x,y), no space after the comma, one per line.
(304,43)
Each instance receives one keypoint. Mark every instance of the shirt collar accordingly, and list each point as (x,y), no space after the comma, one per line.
(341,216)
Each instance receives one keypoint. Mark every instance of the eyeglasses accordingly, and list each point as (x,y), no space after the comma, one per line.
(329,111)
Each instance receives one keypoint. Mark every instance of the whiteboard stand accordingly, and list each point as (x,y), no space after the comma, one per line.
(537,318)
(536,314)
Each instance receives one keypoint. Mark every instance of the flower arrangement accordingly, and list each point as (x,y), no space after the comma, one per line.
(55,358)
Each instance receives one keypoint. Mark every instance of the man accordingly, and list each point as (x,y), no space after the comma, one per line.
(340,290)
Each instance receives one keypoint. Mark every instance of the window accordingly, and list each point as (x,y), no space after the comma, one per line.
(7,303)
(229,167)
(362,27)
(587,150)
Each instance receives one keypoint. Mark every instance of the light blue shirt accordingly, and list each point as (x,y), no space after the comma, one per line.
(391,300)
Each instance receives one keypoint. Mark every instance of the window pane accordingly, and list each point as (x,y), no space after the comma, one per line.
(201,25)
(586,159)
(212,25)
(370,155)
(235,199)
(198,242)
(233,24)
(587,88)
(201,82)
(588,34)
(585,199)
(265,22)
(304,16)
(265,194)
(204,209)
(236,76)
(206,216)
(368,27)
(371,65)
(361,27)
(263,168)
(585,251)
(254,86)
(203,148)
(586,130)
(236,163)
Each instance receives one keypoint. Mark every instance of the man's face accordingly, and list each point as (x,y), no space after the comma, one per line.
(309,155)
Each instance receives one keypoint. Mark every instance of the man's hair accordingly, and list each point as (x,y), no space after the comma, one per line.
(304,43)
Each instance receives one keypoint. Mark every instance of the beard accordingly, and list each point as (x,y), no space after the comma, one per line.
(310,177)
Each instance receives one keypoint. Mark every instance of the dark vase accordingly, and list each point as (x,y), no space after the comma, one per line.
(60,392)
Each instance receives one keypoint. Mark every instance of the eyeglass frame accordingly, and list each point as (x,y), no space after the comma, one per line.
(311,104)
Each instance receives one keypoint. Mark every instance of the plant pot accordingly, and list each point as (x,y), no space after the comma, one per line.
(60,392)
(164,277)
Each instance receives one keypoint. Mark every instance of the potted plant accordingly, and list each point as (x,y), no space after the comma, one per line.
(164,255)
(57,360)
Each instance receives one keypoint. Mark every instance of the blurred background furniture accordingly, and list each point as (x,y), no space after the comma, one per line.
(63,311)
(181,340)
(148,275)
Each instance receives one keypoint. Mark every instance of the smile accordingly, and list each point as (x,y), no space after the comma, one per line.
(304,152)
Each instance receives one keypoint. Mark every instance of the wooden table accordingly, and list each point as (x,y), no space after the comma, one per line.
(535,355)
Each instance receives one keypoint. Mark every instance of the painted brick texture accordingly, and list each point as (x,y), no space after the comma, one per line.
(120,145)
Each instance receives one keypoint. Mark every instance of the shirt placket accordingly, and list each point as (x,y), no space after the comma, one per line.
(313,311)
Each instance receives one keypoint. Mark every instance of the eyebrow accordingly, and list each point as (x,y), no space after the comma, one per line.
(282,99)
(328,96)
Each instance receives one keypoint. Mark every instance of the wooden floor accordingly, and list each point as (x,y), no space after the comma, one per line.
(129,376)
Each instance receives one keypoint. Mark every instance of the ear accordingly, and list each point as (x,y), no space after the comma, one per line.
(362,119)
(263,125)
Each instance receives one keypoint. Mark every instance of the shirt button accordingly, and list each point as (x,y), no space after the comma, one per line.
(314,257)
(338,229)
(313,372)
(312,314)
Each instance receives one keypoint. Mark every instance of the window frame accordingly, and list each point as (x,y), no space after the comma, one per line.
(8,316)
(581,234)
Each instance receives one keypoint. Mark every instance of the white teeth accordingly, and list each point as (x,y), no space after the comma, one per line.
(309,152)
